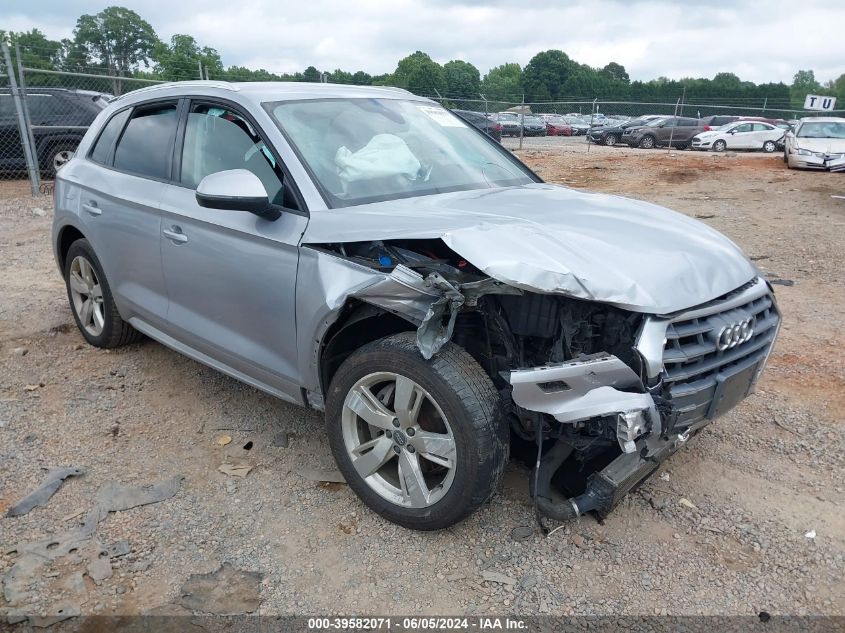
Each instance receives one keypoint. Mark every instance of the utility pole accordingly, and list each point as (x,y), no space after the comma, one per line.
(199,65)
(31,160)
(25,103)
(521,120)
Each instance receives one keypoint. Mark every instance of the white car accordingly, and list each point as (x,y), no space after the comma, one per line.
(816,143)
(753,135)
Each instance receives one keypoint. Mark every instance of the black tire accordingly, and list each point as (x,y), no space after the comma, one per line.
(647,142)
(785,161)
(681,146)
(469,401)
(719,146)
(116,332)
(49,157)
(769,147)
(610,140)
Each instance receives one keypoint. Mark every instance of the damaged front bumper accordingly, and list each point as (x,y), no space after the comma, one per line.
(692,379)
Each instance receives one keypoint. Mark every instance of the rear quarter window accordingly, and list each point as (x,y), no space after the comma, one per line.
(146,146)
(102,151)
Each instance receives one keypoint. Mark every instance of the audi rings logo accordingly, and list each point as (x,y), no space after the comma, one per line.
(735,334)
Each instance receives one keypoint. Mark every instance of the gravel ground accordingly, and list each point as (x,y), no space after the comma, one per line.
(721,529)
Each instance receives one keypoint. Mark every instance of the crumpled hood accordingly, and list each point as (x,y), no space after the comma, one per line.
(827,145)
(548,238)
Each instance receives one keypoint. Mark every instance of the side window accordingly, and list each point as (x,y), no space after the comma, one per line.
(42,106)
(745,127)
(102,151)
(762,127)
(146,145)
(7,107)
(217,139)
(688,123)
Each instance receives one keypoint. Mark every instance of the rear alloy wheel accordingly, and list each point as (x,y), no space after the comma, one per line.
(422,442)
(769,147)
(91,300)
(610,140)
(719,146)
(647,142)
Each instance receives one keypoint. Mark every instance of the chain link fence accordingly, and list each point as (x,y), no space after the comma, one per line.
(45,113)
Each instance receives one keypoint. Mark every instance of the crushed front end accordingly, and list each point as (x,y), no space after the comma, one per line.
(608,417)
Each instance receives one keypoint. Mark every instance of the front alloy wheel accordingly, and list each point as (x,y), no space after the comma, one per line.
(398,440)
(422,442)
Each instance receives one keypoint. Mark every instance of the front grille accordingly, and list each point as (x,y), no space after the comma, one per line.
(695,367)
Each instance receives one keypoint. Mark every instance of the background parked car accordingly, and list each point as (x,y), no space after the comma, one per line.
(611,135)
(579,124)
(59,119)
(751,135)
(509,122)
(482,122)
(557,126)
(533,126)
(816,143)
(661,132)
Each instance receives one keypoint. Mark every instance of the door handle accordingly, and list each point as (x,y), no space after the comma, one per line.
(175,235)
(92,208)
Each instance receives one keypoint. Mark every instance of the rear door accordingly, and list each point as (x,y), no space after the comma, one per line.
(231,276)
(687,128)
(119,205)
(742,137)
(763,132)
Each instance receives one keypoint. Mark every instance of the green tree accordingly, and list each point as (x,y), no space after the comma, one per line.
(617,72)
(803,83)
(545,75)
(180,59)
(836,87)
(361,78)
(503,83)
(116,39)
(37,51)
(462,79)
(420,74)
(311,74)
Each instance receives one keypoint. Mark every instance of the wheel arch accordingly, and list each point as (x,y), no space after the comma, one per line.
(359,323)
(67,236)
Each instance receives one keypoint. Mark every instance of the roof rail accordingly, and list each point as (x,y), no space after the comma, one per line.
(224,85)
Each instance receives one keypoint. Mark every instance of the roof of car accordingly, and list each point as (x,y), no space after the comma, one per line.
(261,91)
(823,119)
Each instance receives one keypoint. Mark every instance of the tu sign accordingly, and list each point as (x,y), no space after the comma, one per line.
(817,102)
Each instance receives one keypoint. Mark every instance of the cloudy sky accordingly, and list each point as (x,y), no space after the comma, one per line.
(757,41)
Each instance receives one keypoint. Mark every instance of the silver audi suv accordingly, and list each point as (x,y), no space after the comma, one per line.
(364,252)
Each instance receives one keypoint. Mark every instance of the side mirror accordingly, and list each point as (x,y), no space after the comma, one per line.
(236,190)
(733,131)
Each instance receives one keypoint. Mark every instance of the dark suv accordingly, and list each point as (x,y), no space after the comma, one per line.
(675,130)
(59,117)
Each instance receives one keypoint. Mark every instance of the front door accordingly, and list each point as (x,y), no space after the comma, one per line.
(742,137)
(230,275)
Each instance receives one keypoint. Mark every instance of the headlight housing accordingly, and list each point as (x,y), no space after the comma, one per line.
(802,152)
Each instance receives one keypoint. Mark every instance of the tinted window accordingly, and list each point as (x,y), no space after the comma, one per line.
(7,106)
(762,127)
(103,147)
(147,143)
(745,127)
(687,122)
(43,105)
(217,139)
